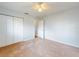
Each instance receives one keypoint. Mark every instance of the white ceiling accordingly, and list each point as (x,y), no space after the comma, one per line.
(26,7)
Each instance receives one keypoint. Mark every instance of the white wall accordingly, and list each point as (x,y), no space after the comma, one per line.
(13,29)
(29,28)
(63,27)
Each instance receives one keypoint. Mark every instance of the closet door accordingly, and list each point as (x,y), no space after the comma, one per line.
(18,29)
(10,30)
(3,30)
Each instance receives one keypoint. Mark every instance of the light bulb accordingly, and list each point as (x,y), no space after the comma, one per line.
(40,9)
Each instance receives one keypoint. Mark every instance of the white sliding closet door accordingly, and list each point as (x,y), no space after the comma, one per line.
(18,29)
(14,30)
(10,30)
(3,30)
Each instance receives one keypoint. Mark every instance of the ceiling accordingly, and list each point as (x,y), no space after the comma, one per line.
(26,7)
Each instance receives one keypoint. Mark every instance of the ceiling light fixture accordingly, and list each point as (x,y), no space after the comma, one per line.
(40,6)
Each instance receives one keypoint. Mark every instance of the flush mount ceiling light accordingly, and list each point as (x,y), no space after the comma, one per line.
(40,6)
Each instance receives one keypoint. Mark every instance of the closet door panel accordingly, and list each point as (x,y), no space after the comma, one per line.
(10,31)
(3,30)
(18,29)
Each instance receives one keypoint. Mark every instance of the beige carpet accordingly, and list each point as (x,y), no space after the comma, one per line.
(39,48)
